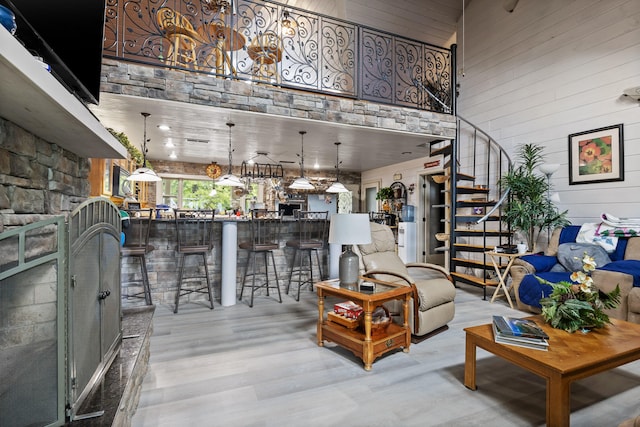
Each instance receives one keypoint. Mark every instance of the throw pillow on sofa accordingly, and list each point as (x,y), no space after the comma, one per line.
(570,255)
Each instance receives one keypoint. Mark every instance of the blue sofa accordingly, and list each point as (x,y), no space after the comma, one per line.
(623,270)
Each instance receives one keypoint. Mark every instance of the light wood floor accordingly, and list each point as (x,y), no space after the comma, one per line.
(261,366)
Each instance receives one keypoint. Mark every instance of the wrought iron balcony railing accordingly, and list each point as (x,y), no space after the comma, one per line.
(275,44)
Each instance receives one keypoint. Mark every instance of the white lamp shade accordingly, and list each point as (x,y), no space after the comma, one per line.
(337,187)
(144,174)
(229,180)
(350,229)
(301,184)
(549,168)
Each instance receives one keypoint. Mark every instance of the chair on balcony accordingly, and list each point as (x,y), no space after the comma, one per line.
(136,246)
(194,231)
(181,34)
(311,237)
(266,52)
(264,238)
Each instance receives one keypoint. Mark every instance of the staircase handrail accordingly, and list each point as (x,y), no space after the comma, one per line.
(504,153)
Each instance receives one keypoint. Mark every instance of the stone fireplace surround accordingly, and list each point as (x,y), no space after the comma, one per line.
(40,180)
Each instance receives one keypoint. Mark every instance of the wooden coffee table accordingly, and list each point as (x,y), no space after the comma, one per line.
(362,343)
(570,357)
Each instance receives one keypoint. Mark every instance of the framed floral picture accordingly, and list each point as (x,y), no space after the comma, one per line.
(596,155)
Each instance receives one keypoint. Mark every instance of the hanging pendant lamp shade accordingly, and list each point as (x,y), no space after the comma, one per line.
(337,187)
(301,183)
(143,173)
(229,179)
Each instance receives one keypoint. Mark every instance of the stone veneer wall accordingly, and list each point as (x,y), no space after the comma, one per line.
(125,78)
(38,179)
(163,261)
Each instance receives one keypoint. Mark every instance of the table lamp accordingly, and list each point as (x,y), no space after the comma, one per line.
(349,229)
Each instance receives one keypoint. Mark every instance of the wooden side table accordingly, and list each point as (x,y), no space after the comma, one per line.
(503,272)
(361,342)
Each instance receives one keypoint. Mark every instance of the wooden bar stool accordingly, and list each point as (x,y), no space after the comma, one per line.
(264,239)
(311,238)
(183,37)
(136,246)
(266,52)
(194,231)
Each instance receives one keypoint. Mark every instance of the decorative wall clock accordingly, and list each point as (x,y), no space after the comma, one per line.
(213,170)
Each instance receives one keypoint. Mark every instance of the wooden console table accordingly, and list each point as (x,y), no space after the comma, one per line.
(570,357)
(360,342)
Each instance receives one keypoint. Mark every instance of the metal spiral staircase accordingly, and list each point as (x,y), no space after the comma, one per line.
(473,222)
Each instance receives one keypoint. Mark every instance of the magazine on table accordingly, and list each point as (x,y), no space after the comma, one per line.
(518,327)
(534,343)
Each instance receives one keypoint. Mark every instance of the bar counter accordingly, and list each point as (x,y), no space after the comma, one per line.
(226,262)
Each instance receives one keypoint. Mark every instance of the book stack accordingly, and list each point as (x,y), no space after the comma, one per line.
(519,332)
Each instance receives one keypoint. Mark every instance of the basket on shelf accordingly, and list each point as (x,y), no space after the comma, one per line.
(380,321)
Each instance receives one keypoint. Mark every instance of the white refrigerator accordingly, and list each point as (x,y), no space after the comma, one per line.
(407,241)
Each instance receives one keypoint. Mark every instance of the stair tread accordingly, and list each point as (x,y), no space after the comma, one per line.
(463,231)
(475,188)
(475,279)
(474,203)
(446,150)
(463,246)
(478,216)
(477,263)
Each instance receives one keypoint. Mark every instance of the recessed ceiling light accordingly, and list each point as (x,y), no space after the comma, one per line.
(173,155)
(164,127)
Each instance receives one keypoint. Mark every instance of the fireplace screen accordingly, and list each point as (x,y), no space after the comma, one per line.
(31,326)
(59,313)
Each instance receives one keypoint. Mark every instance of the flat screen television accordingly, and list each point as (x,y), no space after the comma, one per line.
(69,36)
(121,186)
(288,209)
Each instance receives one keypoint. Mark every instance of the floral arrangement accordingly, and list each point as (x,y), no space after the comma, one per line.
(579,304)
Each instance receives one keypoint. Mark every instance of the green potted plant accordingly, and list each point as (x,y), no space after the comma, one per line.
(528,209)
(134,152)
(385,193)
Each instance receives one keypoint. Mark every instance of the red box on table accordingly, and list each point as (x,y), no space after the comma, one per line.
(348,309)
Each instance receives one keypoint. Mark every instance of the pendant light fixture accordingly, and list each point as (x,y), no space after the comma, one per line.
(229,178)
(301,183)
(143,173)
(337,187)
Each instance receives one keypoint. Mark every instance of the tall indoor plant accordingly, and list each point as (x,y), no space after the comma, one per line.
(529,209)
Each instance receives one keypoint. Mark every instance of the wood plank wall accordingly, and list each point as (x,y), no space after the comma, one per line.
(431,21)
(552,68)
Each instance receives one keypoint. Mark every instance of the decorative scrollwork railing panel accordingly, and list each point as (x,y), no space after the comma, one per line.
(276,44)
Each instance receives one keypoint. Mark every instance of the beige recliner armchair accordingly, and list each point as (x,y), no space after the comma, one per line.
(432,304)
